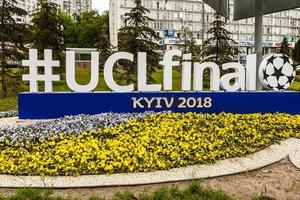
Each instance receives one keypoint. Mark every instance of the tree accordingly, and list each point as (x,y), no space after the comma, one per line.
(88,30)
(284,49)
(296,52)
(189,43)
(194,50)
(137,36)
(217,48)
(12,39)
(187,35)
(89,26)
(47,32)
(70,30)
(103,44)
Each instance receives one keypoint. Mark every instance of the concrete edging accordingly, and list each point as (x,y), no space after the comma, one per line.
(294,157)
(266,157)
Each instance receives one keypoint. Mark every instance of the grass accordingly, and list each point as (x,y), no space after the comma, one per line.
(296,85)
(10,103)
(83,77)
(194,191)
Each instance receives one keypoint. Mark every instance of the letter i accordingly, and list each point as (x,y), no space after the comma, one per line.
(186,72)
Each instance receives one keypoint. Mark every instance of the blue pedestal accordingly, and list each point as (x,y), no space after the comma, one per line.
(54,105)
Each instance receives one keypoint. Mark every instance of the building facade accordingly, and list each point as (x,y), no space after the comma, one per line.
(69,6)
(75,6)
(171,15)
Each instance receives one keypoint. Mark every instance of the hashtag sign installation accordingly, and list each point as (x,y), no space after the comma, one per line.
(33,63)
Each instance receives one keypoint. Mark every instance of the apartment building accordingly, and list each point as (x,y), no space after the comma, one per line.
(171,15)
(69,6)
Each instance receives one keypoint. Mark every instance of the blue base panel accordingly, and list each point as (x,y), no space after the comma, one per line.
(55,105)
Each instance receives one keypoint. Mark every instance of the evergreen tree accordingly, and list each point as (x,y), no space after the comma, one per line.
(217,48)
(47,32)
(12,39)
(137,36)
(296,52)
(284,49)
(195,51)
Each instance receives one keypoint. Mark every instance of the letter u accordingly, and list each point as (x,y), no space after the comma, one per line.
(70,73)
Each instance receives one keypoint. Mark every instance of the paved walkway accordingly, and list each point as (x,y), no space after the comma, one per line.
(15,121)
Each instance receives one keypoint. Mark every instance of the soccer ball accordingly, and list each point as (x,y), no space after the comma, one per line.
(277,72)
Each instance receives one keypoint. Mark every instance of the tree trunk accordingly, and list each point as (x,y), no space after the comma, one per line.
(3,61)
(217,50)
(3,66)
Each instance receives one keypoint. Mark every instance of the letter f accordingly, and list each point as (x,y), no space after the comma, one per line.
(168,63)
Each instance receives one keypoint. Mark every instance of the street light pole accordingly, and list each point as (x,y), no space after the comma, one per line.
(164,12)
(258,38)
(203,23)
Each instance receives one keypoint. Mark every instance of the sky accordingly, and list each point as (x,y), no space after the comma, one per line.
(100,5)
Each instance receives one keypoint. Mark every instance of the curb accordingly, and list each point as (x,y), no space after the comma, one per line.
(268,156)
(294,158)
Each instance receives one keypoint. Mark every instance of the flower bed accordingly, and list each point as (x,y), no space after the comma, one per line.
(11,113)
(69,125)
(146,143)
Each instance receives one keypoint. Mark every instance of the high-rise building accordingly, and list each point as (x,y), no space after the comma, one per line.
(75,6)
(69,6)
(171,15)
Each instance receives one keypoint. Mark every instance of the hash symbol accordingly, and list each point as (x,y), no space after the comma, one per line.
(33,63)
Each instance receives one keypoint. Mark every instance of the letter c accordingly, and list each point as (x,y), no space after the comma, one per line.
(108,72)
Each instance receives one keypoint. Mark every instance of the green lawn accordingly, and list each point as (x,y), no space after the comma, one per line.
(83,77)
(295,86)
(10,103)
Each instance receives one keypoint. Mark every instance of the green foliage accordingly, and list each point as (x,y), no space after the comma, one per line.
(70,30)
(7,104)
(136,37)
(89,25)
(296,52)
(47,29)
(103,44)
(194,191)
(88,30)
(34,194)
(217,48)
(124,196)
(284,49)
(12,40)
(95,198)
(195,51)
(31,194)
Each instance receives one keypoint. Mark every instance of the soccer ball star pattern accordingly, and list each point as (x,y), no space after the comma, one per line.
(278,72)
